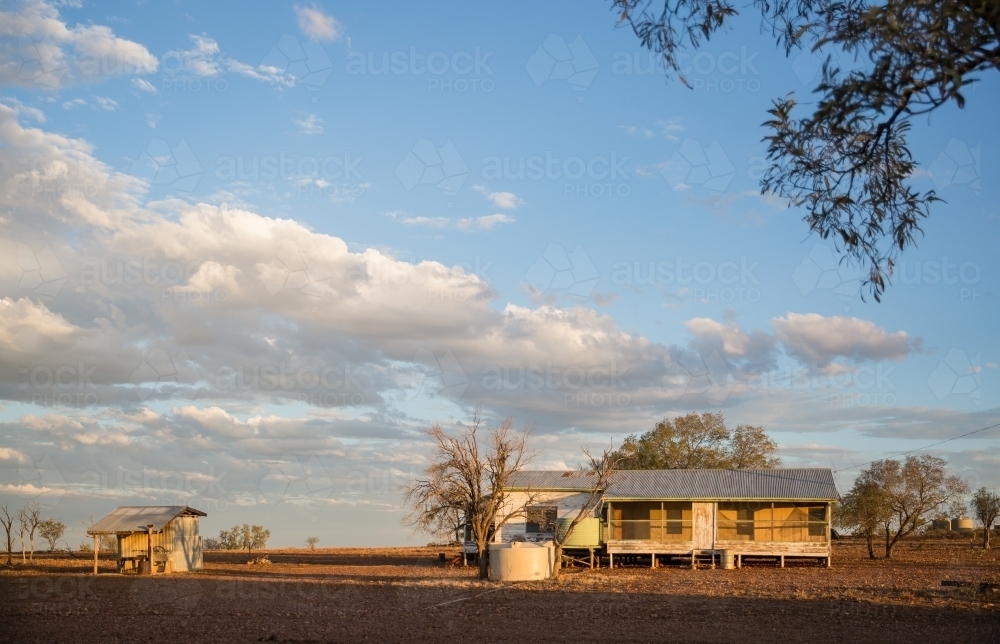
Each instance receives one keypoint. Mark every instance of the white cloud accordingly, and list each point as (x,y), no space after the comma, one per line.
(144,85)
(426,222)
(310,124)
(20,108)
(486,222)
(199,60)
(38,49)
(818,340)
(314,23)
(505,200)
(76,102)
(203,59)
(8,454)
(734,341)
(106,104)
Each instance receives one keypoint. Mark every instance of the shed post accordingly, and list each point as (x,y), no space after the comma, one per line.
(95,553)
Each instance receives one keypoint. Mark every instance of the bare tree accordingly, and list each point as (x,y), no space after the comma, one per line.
(311,542)
(22,521)
(986,507)
(600,469)
(33,518)
(469,473)
(7,519)
(915,489)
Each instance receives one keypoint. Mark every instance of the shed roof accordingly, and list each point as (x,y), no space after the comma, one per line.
(811,483)
(129,518)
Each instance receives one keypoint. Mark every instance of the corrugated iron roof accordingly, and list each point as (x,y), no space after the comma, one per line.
(128,518)
(812,483)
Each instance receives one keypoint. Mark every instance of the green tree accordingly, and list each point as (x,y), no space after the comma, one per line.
(251,537)
(697,441)
(230,539)
(863,510)
(52,531)
(848,163)
(986,507)
(915,489)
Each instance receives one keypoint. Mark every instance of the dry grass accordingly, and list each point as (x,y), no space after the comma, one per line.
(405,594)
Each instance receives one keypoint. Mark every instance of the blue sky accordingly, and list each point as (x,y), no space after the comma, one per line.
(409,211)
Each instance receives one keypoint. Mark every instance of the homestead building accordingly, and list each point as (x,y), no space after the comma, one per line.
(705,515)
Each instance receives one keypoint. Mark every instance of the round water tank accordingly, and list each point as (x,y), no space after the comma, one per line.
(586,534)
(962,524)
(521,561)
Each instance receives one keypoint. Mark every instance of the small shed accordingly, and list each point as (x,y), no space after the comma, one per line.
(166,535)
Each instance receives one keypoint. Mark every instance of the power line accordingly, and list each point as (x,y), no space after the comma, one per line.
(919,449)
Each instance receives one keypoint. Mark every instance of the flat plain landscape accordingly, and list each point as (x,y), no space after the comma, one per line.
(408,595)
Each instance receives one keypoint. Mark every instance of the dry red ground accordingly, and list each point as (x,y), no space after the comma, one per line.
(404,594)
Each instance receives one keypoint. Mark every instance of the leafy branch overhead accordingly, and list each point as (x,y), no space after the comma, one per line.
(848,164)
(697,441)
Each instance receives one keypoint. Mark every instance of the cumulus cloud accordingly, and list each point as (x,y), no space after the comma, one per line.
(815,339)
(38,49)
(314,23)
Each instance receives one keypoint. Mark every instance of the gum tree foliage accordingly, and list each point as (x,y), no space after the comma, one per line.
(252,537)
(697,441)
(986,507)
(229,539)
(467,475)
(52,531)
(864,510)
(914,489)
(848,163)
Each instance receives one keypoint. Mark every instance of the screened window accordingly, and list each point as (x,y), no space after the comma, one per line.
(650,521)
(765,521)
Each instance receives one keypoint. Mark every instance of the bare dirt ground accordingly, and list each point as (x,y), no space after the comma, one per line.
(405,595)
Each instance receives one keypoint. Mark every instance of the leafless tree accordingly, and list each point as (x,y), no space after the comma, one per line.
(22,521)
(915,489)
(311,542)
(7,519)
(469,474)
(600,470)
(32,517)
(986,507)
